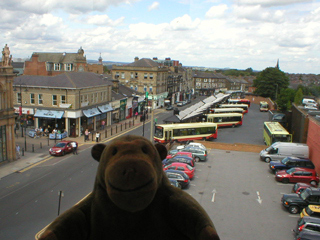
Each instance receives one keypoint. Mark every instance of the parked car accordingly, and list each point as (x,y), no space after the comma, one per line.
(311,211)
(175,183)
(194,144)
(181,159)
(306,234)
(169,108)
(180,104)
(180,176)
(173,151)
(294,175)
(290,162)
(294,202)
(280,150)
(198,153)
(300,187)
(181,167)
(308,223)
(61,148)
(184,154)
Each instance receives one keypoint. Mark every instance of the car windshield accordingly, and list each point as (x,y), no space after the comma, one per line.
(189,167)
(285,160)
(60,145)
(305,194)
(291,170)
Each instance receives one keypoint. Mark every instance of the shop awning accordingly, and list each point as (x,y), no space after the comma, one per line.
(105,108)
(49,113)
(91,112)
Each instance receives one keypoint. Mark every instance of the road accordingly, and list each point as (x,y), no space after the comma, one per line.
(29,200)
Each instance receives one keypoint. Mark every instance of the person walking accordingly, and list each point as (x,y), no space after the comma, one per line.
(97,136)
(17,151)
(86,133)
(74,148)
(103,123)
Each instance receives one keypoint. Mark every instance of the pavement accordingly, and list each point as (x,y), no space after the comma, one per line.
(37,149)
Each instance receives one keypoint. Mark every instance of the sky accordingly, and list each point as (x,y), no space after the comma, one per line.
(236,34)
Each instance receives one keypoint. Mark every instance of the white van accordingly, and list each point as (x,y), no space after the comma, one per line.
(309,101)
(280,150)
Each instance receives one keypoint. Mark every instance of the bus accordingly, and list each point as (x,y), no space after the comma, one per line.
(225,119)
(226,110)
(239,101)
(243,106)
(183,132)
(275,132)
(264,107)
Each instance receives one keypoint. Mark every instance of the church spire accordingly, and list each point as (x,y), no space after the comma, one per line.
(277,66)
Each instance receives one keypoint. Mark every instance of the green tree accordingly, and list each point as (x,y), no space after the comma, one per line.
(270,82)
(285,99)
(298,97)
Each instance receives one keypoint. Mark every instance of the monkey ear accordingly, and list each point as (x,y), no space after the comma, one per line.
(97,150)
(162,150)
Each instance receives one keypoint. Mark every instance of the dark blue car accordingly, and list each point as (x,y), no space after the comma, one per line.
(290,162)
(181,159)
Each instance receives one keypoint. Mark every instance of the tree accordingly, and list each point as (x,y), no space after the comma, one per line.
(298,97)
(285,99)
(270,82)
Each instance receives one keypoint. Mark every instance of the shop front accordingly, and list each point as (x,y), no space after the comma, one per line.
(50,119)
(105,118)
(91,119)
(24,116)
(122,109)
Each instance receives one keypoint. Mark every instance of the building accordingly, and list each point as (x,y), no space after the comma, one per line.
(144,75)
(207,83)
(51,64)
(71,101)
(7,118)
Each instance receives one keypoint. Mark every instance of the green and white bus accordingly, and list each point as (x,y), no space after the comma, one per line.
(275,132)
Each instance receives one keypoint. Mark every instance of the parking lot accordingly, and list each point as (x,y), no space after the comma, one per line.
(242,197)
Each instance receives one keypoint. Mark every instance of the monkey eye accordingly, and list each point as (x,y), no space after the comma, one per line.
(114,151)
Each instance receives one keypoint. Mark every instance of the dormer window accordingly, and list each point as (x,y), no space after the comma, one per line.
(68,67)
(56,66)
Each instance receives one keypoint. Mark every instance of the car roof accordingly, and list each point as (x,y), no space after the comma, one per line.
(178,172)
(311,219)
(299,158)
(177,164)
(304,169)
(314,208)
(181,157)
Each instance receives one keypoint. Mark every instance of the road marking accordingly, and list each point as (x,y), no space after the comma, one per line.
(213,195)
(35,164)
(259,198)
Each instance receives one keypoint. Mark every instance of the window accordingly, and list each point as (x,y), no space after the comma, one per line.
(56,67)
(131,75)
(40,99)
(131,86)
(145,76)
(101,96)
(136,75)
(145,88)
(54,100)
(19,97)
(63,99)
(150,88)
(205,80)
(97,97)
(151,75)
(86,98)
(32,101)
(81,98)
(68,67)
(92,97)
(122,75)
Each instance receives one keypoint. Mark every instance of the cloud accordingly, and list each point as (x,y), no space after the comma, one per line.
(102,20)
(184,23)
(257,13)
(217,11)
(270,3)
(153,6)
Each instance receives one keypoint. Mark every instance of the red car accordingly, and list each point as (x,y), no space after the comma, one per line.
(181,167)
(299,187)
(294,175)
(61,148)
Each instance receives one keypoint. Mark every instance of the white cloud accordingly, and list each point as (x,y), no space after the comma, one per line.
(184,23)
(102,20)
(153,6)
(217,11)
(270,3)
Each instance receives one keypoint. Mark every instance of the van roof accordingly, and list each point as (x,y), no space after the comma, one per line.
(291,144)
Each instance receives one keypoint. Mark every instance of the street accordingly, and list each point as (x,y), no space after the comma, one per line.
(236,188)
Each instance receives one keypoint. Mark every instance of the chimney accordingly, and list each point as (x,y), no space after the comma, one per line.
(136,59)
(115,85)
(154,58)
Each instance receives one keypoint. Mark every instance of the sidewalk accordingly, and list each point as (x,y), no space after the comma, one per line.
(38,148)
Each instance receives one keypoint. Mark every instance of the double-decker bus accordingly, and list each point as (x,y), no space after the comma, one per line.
(275,132)
(243,106)
(226,110)
(225,119)
(183,132)
(239,101)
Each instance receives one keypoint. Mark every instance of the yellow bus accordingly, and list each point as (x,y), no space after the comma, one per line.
(264,107)
(275,132)
(243,106)
(183,132)
(225,119)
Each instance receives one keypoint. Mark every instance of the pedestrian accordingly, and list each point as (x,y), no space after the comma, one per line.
(97,136)
(136,114)
(17,151)
(86,135)
(74,148)
(103,123)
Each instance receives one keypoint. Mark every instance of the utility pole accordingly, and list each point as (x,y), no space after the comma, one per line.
(152,124)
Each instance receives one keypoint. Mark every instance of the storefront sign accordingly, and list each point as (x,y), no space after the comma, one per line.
(91,112)
(49,114)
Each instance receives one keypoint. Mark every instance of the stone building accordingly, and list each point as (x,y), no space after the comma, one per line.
(7,118)
(207,83)
(144,75)
(71,101)
(51,64)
